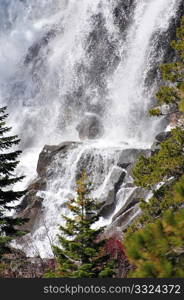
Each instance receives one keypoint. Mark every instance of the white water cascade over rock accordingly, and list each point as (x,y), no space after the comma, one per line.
(82,74)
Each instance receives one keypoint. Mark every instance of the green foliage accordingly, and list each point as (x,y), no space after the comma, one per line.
(178,45)
(181,106)
(155,242)
(169,196)
(81,253)
(167,162)
(8,163)
(173,75)
(155,112)
(173,72)
(167,95)
(157,250)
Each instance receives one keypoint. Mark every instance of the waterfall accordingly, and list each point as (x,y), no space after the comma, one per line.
(131,97)
(63,59)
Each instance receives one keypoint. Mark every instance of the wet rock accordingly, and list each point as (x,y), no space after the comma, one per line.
(34,50)
(129,156)
(129,185)
(162,47)
(47,154)
(111,186)
(134,198)
(167,109)
(103,172)
(125,219)
(39,184)
(90,127)
(155,147)
(102,52)
(123,13)
(162,136)
(30,209)
(116,228)
(124,165)
(31,205)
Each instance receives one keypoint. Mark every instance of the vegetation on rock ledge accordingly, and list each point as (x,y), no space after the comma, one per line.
(155,242)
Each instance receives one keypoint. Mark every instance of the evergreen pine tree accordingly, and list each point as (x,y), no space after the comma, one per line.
(157,250)
(169,160)
(167,197)
(164,164)
(8,163)
(155,242)
(81,253)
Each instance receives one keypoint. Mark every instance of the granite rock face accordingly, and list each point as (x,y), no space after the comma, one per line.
(111,175)
(48,153)
(31,205)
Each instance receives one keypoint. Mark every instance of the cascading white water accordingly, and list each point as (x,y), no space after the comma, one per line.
(130,96)
(60,59)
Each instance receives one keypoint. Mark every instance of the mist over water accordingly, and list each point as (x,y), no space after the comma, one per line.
(60,59)
(130,95)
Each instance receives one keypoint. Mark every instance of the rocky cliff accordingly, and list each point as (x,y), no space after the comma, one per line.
(114,184)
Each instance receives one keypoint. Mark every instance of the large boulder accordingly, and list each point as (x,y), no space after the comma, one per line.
(129,156)
(30,209)
(110,188)
(126,218)
(47,154)
(162,136)
(90,127)
(134,196)
(31,205)
(116,228)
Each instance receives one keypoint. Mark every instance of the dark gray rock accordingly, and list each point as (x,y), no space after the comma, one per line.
(51,162)
(111,186)
(125,219)
(90,127)
(123,13)
(34,50)
(167,109)
(30,209)
(47,154)
(129,156)
(161,45)
(31,205)
(134,198)
(124,165)
(155,147)
(162,136)
(116,228)
(39,184)
(129,185)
